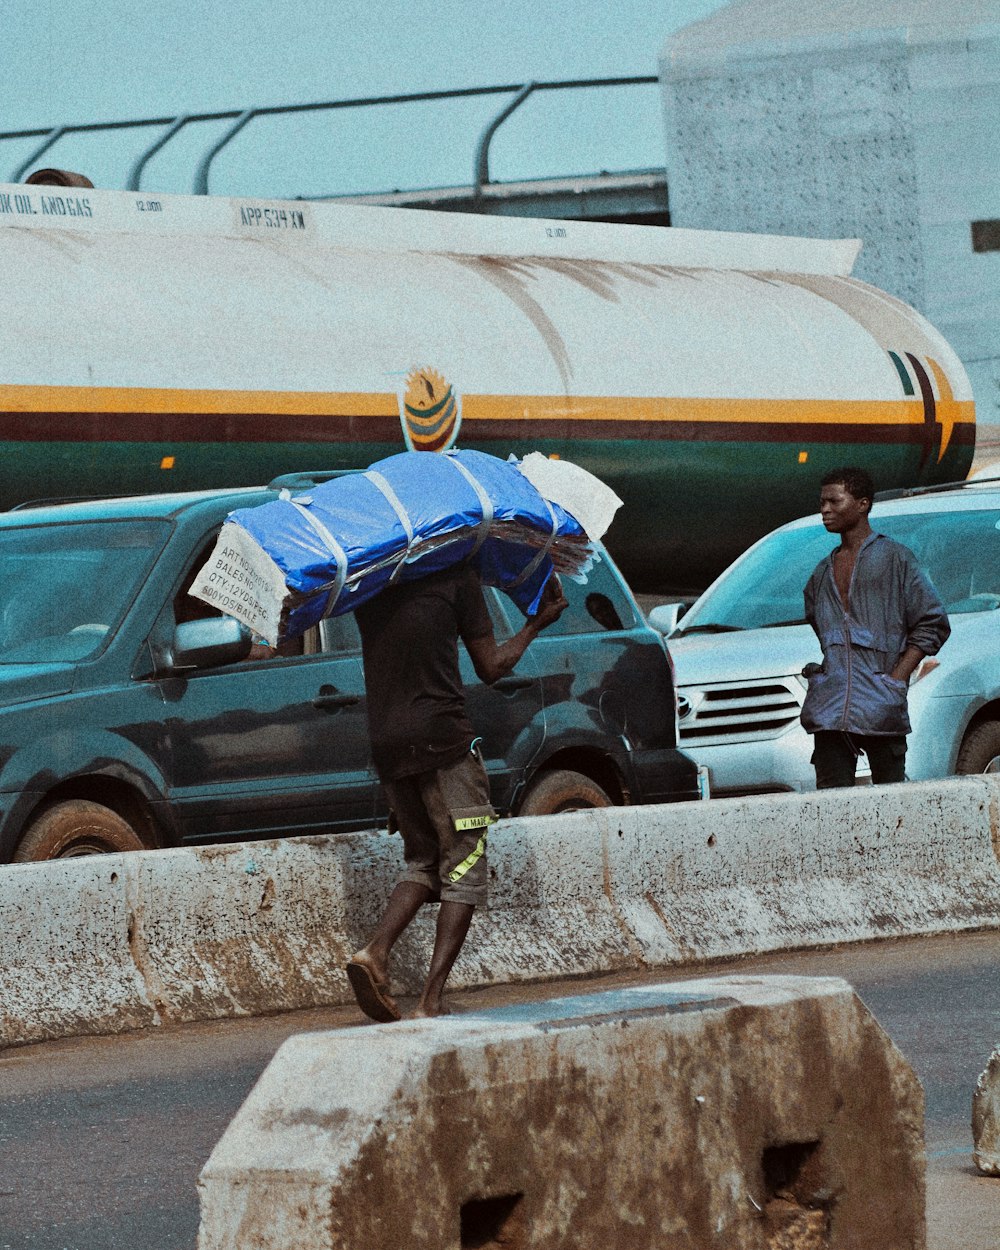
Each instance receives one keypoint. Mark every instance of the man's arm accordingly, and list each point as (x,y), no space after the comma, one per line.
(492,660)
(906,663)
(926,620)
(927,626)
(809,602)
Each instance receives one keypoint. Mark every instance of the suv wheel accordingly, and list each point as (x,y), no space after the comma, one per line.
(76,827)
(562,791)
(980,751)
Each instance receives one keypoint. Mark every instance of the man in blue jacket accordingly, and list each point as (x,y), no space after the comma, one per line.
(876,616)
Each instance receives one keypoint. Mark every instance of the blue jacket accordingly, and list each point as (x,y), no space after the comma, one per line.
(892,604)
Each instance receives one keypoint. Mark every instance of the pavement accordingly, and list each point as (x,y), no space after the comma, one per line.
(102,1139)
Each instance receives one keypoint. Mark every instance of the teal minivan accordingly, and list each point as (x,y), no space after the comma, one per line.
(132,716)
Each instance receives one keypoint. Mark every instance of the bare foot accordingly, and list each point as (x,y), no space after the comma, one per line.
(427,1011)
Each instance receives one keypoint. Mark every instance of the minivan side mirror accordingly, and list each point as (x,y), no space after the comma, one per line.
(207,643)
(664,618)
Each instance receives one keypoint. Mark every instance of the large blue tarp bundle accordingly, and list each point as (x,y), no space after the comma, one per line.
(343,541)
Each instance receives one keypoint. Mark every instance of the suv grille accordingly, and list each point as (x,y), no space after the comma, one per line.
(745,711)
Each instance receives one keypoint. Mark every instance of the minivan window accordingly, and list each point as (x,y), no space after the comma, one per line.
(960,551)
(64,589)
(340,634)
(595,606)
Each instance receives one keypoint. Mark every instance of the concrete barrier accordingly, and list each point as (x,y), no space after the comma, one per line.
(789,870)
(986,1118)
(121,941)
(67,963)
(256,927)
(752,1112)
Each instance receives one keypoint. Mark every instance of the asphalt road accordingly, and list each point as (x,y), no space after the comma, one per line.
(101,1139)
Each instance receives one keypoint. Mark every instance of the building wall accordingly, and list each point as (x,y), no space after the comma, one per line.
(889,136)
(956,91)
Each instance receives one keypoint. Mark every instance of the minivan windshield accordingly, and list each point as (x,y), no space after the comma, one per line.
(960,551)
(65,588)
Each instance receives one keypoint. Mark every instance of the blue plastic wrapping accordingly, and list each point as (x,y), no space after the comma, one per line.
(343,541)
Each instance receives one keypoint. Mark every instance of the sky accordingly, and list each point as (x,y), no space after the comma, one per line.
(70,61)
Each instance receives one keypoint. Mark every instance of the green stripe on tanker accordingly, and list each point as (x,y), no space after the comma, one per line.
(662,537)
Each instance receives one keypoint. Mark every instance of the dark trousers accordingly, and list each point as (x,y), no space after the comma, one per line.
(835,758)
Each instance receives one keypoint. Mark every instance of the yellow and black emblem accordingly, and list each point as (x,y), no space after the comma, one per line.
(430,412)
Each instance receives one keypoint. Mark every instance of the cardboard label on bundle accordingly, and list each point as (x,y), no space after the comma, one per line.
(241,580)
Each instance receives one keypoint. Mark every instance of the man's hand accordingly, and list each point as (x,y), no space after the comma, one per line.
(907,663)
(492,662)
(551,605)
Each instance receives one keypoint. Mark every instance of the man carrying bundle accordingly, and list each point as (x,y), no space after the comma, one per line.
(427,756)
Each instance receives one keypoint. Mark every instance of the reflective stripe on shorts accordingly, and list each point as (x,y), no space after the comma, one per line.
(470,861)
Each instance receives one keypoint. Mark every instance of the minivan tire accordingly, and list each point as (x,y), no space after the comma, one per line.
(980,751)
(73,828)
(562,790)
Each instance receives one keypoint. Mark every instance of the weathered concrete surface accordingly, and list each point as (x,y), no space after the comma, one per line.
(986,1118)
(744,1112)
(67,966)
(121,941)
(269,926)
(799,870)
(257,927)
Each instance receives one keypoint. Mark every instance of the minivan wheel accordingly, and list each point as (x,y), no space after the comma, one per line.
(562,790)
(980,752)
(76,827)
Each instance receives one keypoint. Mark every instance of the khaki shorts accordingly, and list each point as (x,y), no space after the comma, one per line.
(443,816)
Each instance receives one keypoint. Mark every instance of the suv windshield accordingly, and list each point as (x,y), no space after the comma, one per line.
(65,588)
(960,551)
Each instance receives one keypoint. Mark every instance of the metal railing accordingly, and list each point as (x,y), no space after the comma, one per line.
(242,117)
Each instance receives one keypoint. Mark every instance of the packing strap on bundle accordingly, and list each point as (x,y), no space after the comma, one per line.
(485,502)
(543,551)
(335,550)
(393,501)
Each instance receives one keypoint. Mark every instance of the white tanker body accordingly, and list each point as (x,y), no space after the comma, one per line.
(178,341)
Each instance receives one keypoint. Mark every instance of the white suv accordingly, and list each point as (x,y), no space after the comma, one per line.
(740,649)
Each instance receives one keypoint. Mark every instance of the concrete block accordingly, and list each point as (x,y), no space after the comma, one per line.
(986,1118)
(67,960)
(751,1112)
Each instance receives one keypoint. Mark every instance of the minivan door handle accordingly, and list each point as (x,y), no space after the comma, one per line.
(329,697)
(513,683)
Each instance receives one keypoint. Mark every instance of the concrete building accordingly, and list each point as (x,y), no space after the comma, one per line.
(877,119)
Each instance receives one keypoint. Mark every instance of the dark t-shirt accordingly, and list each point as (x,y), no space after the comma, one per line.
(409,640)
